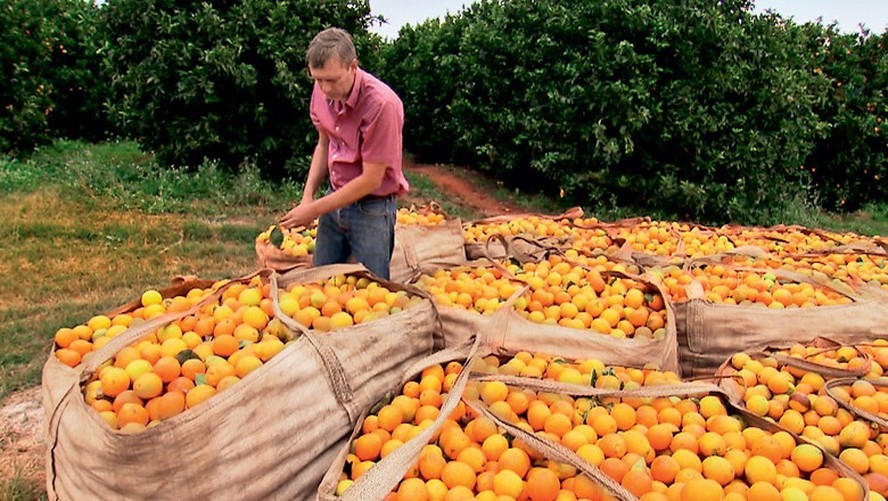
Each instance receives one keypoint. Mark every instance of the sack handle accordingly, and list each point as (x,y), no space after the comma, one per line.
(555,451)
(881,422)
(380,480)
(341,387)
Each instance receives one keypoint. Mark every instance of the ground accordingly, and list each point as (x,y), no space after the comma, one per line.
(466,188)
(22,446)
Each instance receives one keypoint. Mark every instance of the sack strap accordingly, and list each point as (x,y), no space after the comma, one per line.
(380,480)
(341,387)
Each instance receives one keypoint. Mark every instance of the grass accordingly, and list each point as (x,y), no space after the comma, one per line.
(19,488)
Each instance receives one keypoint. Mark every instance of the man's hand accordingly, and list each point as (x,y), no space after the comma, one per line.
(301,215)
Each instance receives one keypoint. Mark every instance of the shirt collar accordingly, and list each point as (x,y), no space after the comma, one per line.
(352,100)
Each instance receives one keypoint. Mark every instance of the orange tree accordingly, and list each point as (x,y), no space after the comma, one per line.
(850,164)
(221,80)
(701,110)
(50,86)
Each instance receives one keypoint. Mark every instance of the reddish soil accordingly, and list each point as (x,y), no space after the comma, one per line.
(466,188)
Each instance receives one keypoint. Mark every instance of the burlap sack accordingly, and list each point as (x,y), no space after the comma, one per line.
(498,249)
(735,390)
(377,482)
(271,257)
(420,248)
(507,332)
(709,333)
(417,248)
(271,436)
(385,476)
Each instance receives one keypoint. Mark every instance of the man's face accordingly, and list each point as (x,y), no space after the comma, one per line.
(335,78)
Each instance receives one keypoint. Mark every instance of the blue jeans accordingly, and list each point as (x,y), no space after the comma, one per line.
(364,230)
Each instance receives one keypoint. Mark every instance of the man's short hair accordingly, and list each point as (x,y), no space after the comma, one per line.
(332,42)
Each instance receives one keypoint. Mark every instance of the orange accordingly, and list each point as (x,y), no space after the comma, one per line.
(764,491)
(225,345)
(507,483)
(613,445)
(702,489)
(637,481)
(719,469)
(664,469)
(514,459)
(170,404)
(760,469)
(192,367)
(68,357)
(614,468)
(147,385)
(167,368)
(431,466)
(452,441)
(474,457)
(199,394)
(367,447)
(114,381)
(807,457)
(412,489)
(132,413)
(456,474)
(542,484)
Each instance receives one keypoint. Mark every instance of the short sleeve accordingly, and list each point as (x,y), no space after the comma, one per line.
(382,141)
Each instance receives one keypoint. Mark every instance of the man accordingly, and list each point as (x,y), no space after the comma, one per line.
(360,124)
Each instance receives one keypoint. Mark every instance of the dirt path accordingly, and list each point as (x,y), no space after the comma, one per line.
(22,446)
(466,188)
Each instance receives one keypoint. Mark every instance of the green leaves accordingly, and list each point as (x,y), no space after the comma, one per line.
(222,80)
(50,86)
(700,110)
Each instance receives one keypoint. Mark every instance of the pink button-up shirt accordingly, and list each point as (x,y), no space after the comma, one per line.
(367,127)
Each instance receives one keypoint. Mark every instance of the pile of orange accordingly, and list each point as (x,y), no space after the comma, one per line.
(797,400)
(342,301)
(572,291)
(531,226)
(411,216)
(728,285)
(296,241)
(181,364)
(189,360)
(664,448)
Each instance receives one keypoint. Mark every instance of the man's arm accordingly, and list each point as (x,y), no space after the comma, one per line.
(370,179)
(317,172)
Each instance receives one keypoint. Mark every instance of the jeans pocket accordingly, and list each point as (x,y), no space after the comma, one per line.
(374,208)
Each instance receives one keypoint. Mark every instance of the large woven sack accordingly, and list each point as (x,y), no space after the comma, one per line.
(709,333)
(419,248)
(270,436)
(527,243)
(271,257)
(507,332)
(376,483)
(385,476)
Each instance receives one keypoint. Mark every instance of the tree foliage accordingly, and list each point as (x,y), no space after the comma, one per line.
(51,86)
(697,109)
(223,80)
